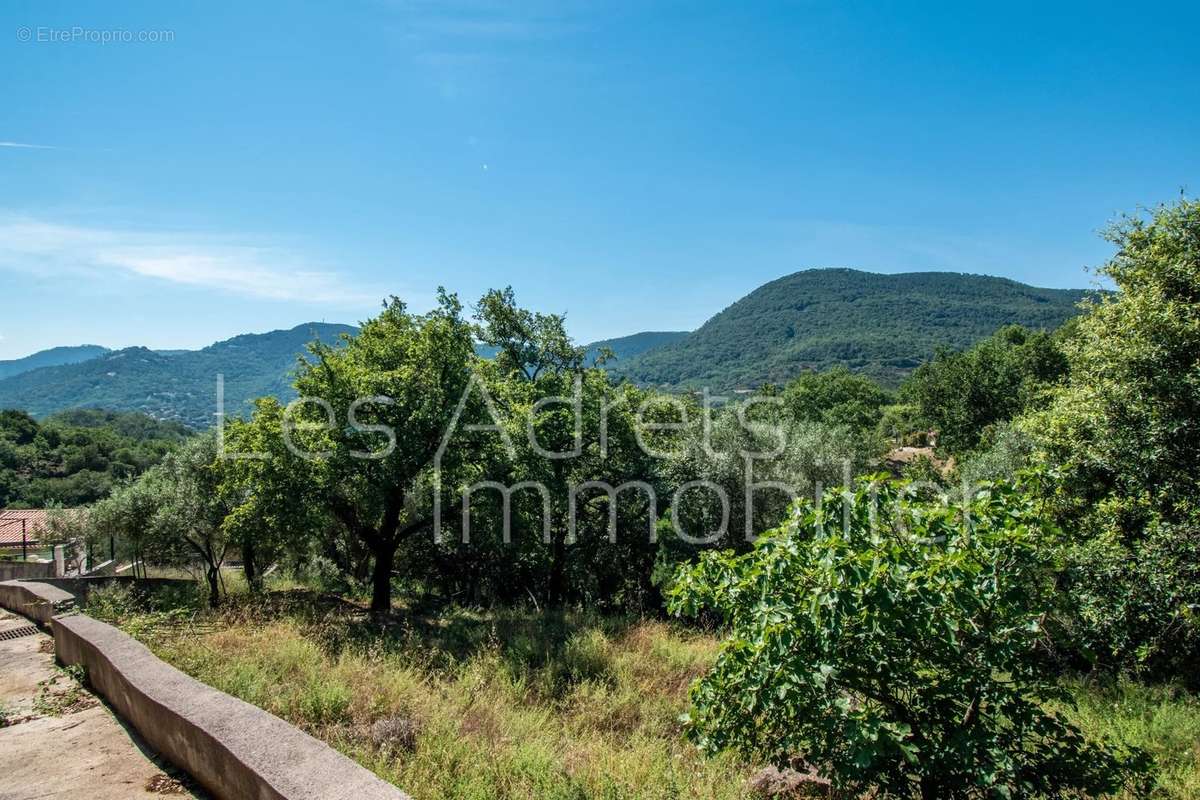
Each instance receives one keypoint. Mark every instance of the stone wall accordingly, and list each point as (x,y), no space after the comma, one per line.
(81,587)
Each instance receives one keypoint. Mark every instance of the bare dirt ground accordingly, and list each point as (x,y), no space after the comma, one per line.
(57,740)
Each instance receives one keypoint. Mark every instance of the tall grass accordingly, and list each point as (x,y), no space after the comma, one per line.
(1162,720)
(459,703)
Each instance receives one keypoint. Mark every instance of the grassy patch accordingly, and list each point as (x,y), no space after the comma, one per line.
(1162,720)
(62,693)
(460,703)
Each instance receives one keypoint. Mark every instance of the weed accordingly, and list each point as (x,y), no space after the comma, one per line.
(55,699)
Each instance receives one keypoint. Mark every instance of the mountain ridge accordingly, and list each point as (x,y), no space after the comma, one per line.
(627,347)
(176,385)
(883,325)
(52,357)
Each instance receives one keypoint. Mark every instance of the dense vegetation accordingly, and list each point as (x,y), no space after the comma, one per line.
(865,649)
(626,348)
(925,637)
(177,386)
(77,457)
(964,395)
(881,325)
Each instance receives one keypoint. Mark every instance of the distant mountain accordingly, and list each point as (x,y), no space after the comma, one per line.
(178,386)
(625,348)
(51,358)
(880,325)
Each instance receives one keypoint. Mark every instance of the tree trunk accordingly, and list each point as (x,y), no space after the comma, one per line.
(556,595)
(250,566)
(214,586)
(381,579)
(931,789)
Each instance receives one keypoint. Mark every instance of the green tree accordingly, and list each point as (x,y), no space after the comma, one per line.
(189,523)
(370,419)
(122,523)
(1124,432)
(568,427)
(528,343)
(274,508)
(964,394)
(892,644)
(757,450)
(836,397)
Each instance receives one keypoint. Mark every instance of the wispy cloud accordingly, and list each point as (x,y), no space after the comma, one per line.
(463,43)
(27,146)
(37,246)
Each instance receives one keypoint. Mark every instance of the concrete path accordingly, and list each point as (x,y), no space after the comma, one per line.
(57,740)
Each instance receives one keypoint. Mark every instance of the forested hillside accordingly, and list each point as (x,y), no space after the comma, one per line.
(78,456)
(880,325)
(51,358)
(625,348)
(883,326)
(178,386)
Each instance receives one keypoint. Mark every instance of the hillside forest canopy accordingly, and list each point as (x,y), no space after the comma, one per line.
(882,326)
(77,457)
(903,579)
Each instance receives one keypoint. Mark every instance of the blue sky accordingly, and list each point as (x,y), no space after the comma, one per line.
(638,165)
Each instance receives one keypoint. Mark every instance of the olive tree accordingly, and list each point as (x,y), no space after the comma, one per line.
(188,525)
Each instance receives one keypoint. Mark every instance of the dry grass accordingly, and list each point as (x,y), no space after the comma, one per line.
(466,704)
(456,703)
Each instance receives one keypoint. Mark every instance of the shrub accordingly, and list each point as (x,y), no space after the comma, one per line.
(1135,605)
(892,644)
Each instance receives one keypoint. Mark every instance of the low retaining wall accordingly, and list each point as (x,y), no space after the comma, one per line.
(36,600)
(15,570)
(81,587)
(234,749)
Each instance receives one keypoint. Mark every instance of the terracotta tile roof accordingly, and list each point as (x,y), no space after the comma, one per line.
(11,519)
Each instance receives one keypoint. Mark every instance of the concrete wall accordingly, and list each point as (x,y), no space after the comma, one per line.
(234,749)
(82,587)
(41,600)
(15,570)
(36,600)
